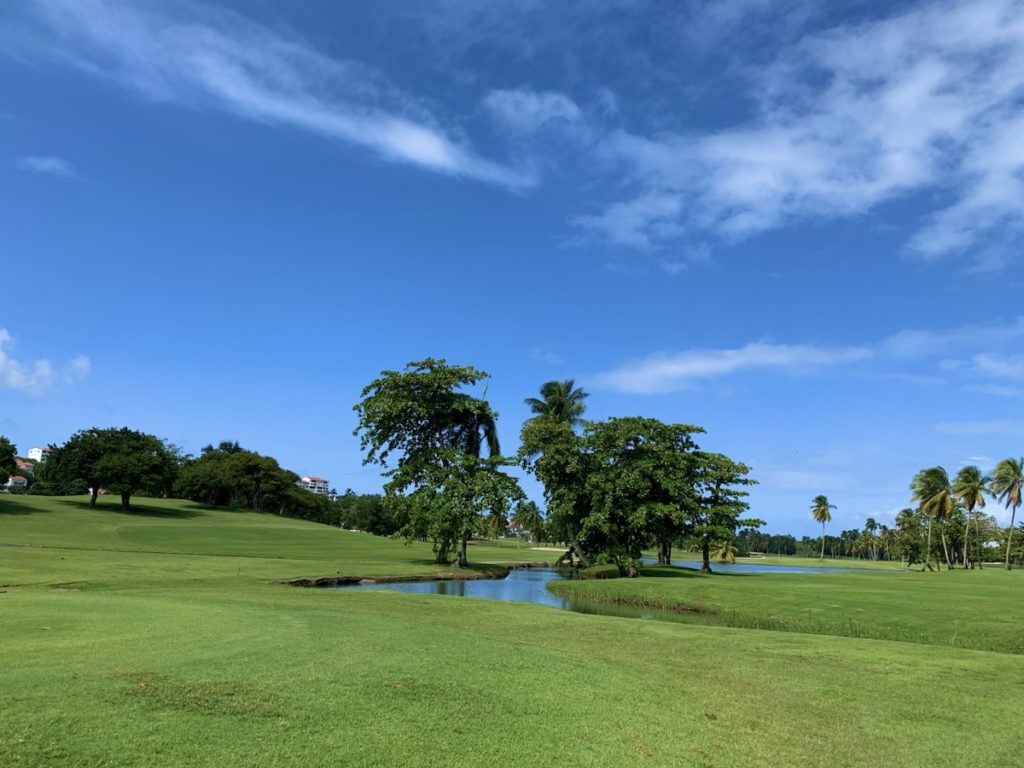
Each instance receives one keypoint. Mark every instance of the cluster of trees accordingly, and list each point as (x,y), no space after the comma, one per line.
(952,506)
(7,459)
(612,488)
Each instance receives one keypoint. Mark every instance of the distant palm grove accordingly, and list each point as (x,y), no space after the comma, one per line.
(614,490)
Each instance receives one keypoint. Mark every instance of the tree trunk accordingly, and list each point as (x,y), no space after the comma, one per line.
(967,533)
(705,549)
(945,549)
(463,559)
(977,544)
(1009,538)
(95,491)
(928,547)
(822,542)
(125,499)
(575,546)
(665,553)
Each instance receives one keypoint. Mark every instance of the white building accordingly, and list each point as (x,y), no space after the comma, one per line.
(16,480)
(316,485)
(39,454)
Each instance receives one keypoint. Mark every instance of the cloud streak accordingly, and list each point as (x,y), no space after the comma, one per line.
(671,372)
(664,373)
(39,376)
(48,164)
(206,59)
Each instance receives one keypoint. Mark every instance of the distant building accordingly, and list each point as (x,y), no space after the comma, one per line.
(315,484)
(16,480)
(39,454)
(25,467)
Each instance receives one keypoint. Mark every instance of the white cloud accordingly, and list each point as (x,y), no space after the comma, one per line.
(528,111)
(1008,367)
(204,58)
(671,372)
(54,166)
(545,355)
(1010,427)
(38,376)
(931,100)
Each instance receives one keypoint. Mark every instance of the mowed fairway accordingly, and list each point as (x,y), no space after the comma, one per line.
(157,639)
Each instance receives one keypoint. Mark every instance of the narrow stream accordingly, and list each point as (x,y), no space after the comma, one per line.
(529,585)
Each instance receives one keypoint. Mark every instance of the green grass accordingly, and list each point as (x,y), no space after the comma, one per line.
(976,609)
(176,650)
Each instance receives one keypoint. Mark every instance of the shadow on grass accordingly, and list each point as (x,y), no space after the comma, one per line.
(11,505)
(138,508)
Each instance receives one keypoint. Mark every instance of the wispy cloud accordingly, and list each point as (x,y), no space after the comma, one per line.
(528,111)
(663,373)
(54,166)
(38,376)
(214,59)
(545,355)
(848,119)
(670,372)
(1009,427)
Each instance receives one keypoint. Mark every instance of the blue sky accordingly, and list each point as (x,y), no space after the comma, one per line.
(798,226)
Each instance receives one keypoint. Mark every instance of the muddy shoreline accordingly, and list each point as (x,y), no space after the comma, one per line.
(499,572)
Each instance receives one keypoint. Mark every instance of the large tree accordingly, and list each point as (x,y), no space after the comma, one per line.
(8,462)
(123,460)
(721,502)
(640,483)
(429,435)
(970,487)
(821,511)
(1007,482)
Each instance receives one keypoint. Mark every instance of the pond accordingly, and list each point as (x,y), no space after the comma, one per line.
(529,585)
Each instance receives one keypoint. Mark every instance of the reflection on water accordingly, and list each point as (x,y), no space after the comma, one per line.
(529,585)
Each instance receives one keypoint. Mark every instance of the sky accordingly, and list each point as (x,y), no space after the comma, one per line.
(798,225)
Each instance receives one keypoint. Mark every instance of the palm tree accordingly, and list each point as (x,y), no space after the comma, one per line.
(970,487)
(934,496)
(726,552)
(821,511)
(474,426)
(1007,481)
(561,401)
(528,517)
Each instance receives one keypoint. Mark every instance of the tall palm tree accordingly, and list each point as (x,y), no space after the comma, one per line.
(821,511)
(1007,482)
(934,497)
(969,488)
(475,425)
(528,517)
(561,401)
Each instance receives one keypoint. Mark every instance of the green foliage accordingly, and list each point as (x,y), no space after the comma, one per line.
(7,459)
(560,401)
(123,460)
(429,435)
(1008,486)
(821,511)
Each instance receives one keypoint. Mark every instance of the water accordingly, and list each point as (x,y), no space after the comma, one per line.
(529,585)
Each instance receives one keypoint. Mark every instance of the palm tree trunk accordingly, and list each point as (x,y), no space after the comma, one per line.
(945,549)
(928,546)
(977,544)
(967,533)
(1009,538)
(822,542)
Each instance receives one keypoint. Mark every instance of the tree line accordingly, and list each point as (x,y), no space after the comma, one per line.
(951,506)
(131,463)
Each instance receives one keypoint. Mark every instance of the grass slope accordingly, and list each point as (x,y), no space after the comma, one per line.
(976,609)
(167,657)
